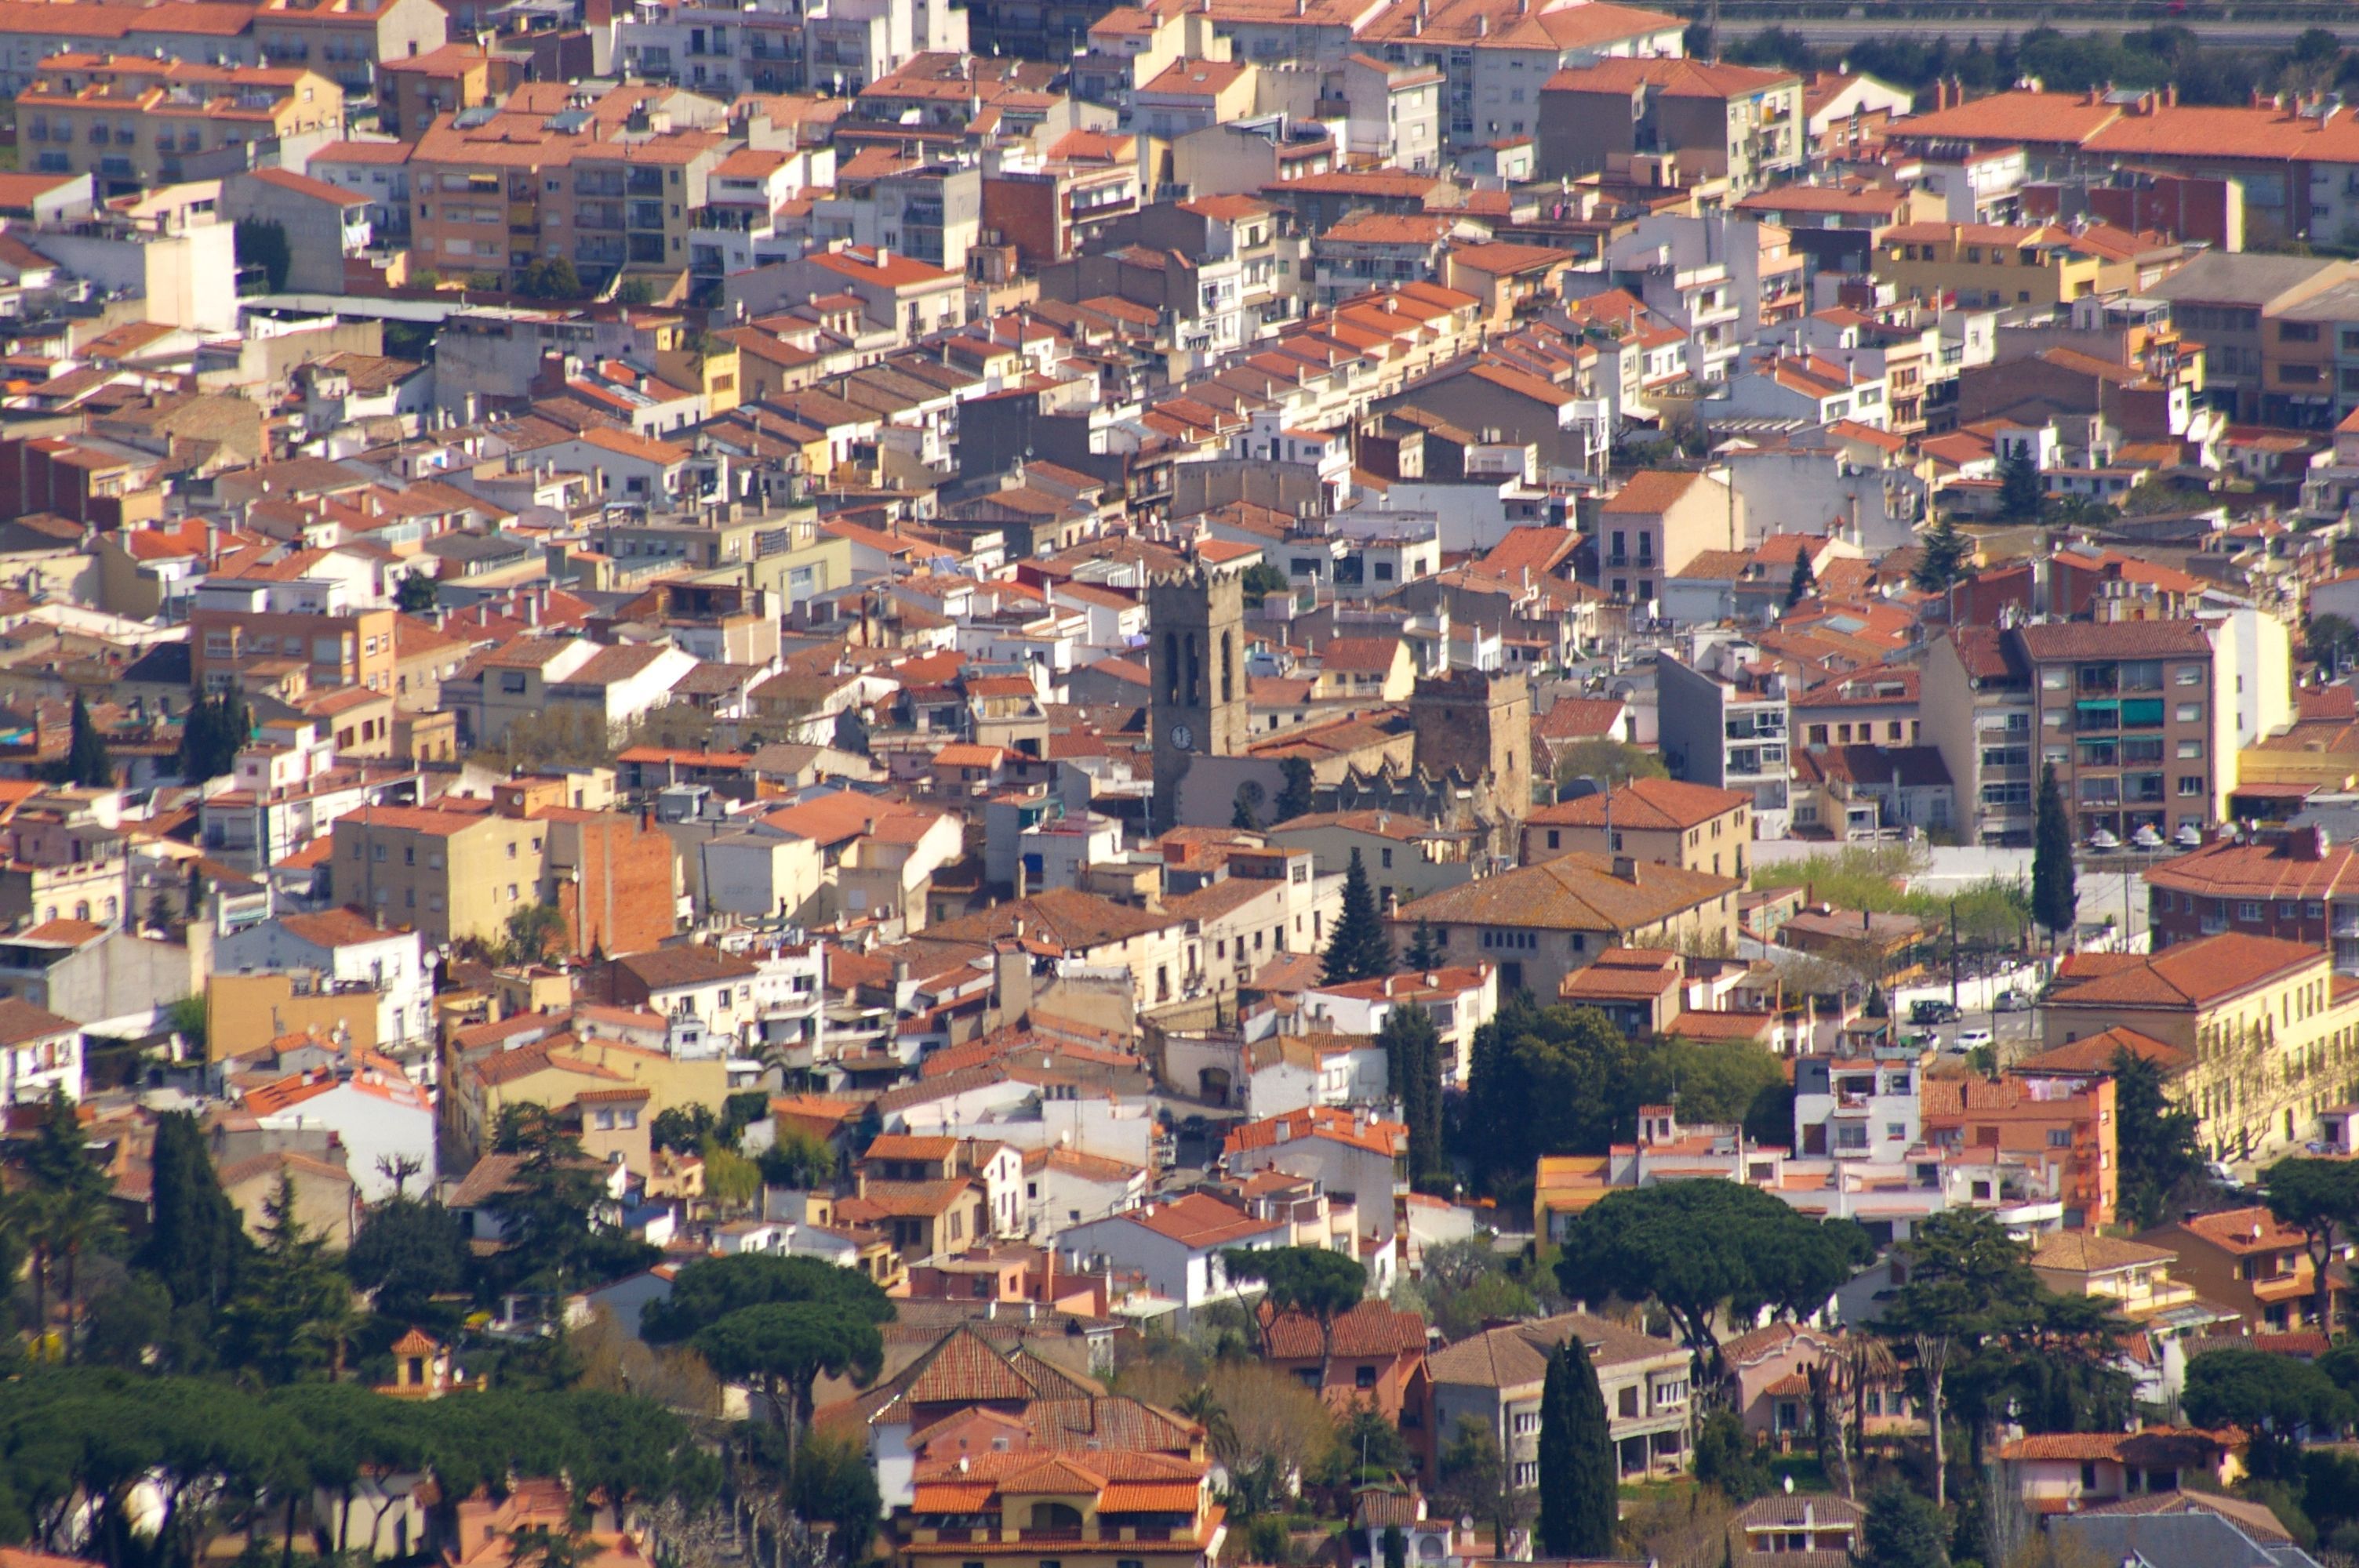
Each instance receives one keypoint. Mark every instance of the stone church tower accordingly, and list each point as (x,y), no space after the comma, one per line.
(1195,629)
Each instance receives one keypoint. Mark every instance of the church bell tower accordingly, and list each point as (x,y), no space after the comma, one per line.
(1195,628)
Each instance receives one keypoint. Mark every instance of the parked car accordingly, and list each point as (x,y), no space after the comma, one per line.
(1974,1039)
(1932,1009)
(2012,1002)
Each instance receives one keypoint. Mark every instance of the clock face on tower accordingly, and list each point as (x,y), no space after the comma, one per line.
(1182,737)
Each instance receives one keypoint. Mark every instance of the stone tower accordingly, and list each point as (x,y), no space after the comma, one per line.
(1480,725)
(1195,630)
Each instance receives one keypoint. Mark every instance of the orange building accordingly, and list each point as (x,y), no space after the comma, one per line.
(2073,1134)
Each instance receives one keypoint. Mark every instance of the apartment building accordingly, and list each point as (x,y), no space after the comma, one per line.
(2294,884)
(348,39)
(1659,522)
(461,867)
(242,629)
(1725,723)
(1698,827)
(2259,1035)
(1720,122)
(2247,1260)
(2132,717)
(133,124)
(1995,265)
(1495,59)
(2230,305)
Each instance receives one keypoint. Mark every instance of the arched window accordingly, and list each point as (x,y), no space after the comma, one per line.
(1228,664)
(1195,684)
(82,910)
(1056,1516)
(1172,666)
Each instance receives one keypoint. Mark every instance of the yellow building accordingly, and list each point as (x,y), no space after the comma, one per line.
(1994,264)
(132,124)
(615,1089)
(2259,1037)
(2133,1276)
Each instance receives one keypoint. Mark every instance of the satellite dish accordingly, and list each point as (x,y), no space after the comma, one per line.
(1789,1486)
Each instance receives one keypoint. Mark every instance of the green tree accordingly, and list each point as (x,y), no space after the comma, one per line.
(635,291)
(551,278)
(2321,1199)
(195,1246)
(406,1253)
(1396,1547)
(1903,1530)
(2020,489)
(710,1288)
(1580,1497)
(796,1160)
(86,764)
(1705,1249)
(1319,1284)
(2262,1392)
(832,1480)
(1359,949)
(1613,764)
(263,245)
(1294,794)
(2158,1148)
(1803,583)
(294,1316)
(1260,580)
(2333,641)
(1413,1050)
(682,1128)
(64,1210)
(213,732)
(415,595)
(552,1232)
(1549,1080)
(2055,893)
(851,733)
(537,933)
(1946,554)
(785,1345)
(1475,1481)
(1728,1458)
(1425,954)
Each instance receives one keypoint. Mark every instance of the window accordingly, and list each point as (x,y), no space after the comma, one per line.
(2249,908)
(2190,713)
(2190,785)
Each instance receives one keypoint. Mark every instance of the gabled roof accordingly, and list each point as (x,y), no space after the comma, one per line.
(2188,975)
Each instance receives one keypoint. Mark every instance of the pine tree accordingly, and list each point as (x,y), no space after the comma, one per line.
(1804,581)
(1579,1500)
(197,1247)
(1360,950)
(1424,948)
(295,1313)
(1944,562)
(2055,894)
(87,765)
(2020,489)
(1243,818)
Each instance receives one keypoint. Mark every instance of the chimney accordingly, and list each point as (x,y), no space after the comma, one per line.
(1626,869)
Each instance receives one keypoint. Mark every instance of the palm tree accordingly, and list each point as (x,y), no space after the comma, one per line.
(1204,1407)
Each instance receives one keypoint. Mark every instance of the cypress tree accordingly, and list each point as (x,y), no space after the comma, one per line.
(1579,1503)
(1424,948)
(2055,893)
(87,765)
(1804,581)
(1413,1062)
(2020,488)
(1294,794)
(1360,950)
(198,1246)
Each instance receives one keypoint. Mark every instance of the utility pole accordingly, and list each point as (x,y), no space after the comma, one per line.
(1954,952)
